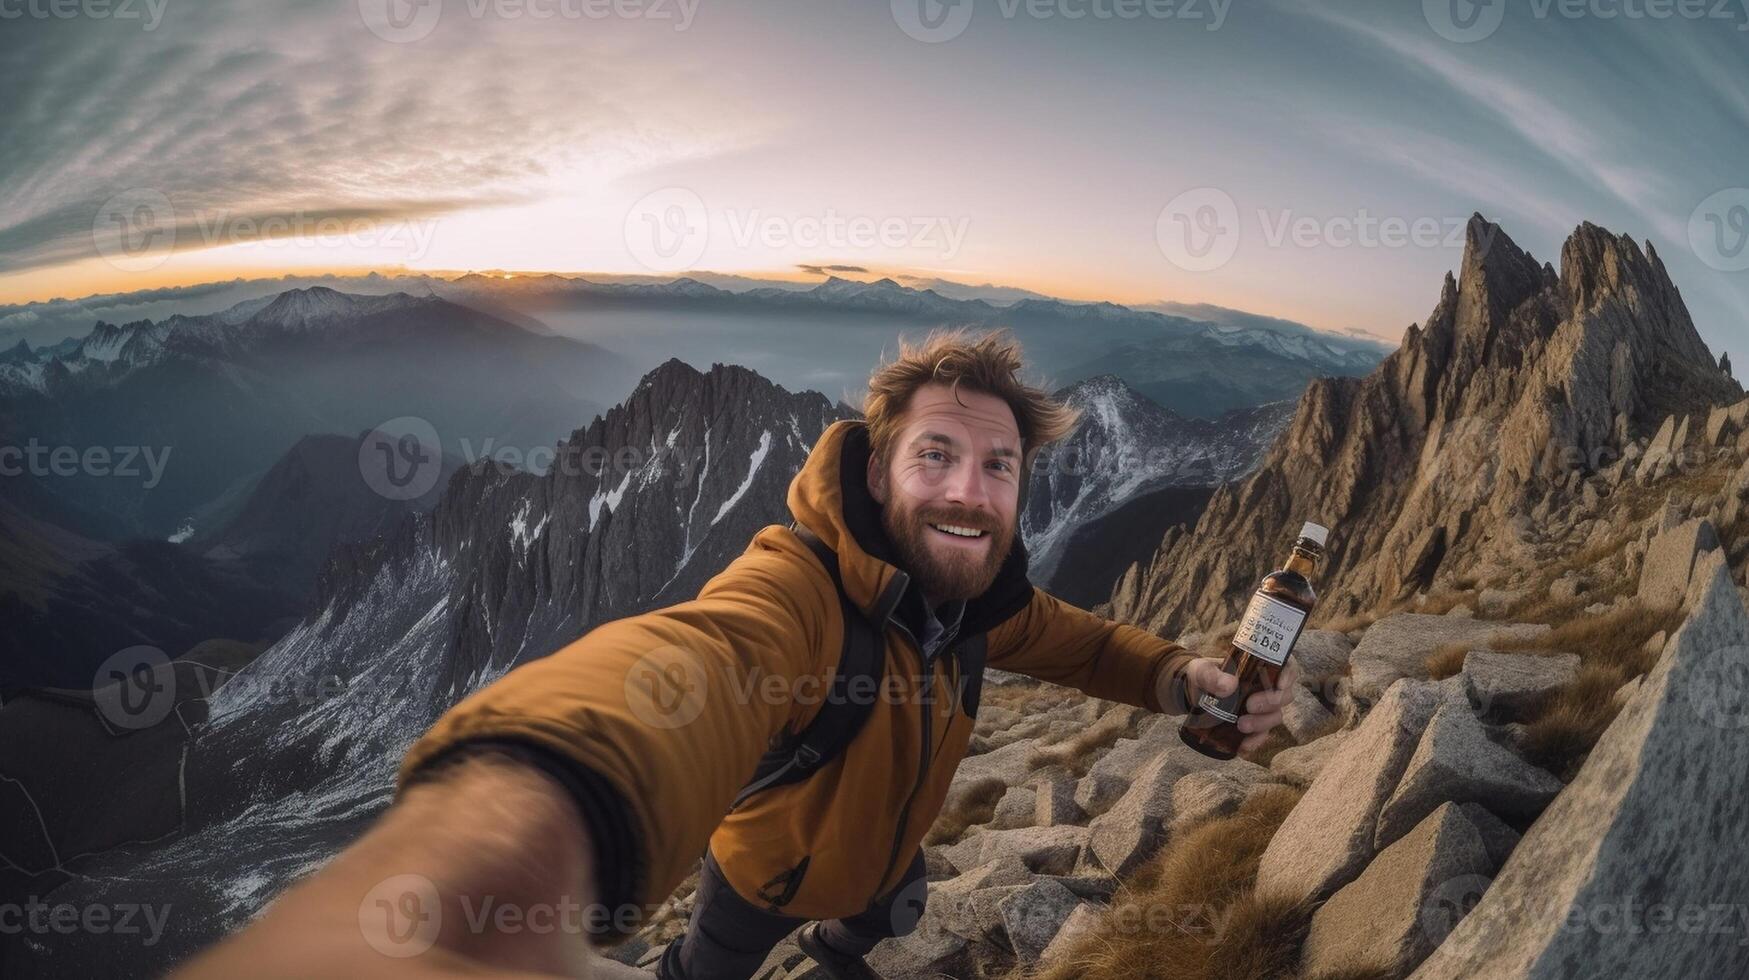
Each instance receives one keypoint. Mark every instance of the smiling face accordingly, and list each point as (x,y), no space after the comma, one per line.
(950,490)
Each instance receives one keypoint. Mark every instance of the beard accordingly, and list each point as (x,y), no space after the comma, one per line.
(943,576)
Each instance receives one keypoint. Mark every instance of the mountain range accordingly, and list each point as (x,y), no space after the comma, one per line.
(220,397)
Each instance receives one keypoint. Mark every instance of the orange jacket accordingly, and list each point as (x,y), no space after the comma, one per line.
(657,720)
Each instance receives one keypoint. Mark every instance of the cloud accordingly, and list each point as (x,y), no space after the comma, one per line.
(1539,121)
(824,270)
(232,111)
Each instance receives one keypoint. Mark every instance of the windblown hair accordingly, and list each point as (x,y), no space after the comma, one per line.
(985,362)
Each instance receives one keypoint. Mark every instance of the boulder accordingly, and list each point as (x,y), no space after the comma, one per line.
(926,951)
(1044,850)
(1398,646)
(1705,566)
(1108,778)
(1455,761)
(1083,921)
(1302,763)
(1623,874)
(1670,561)
(1306,717)
(1032,916)
(1321,653)
(1664,442)
(1135,826)
(1498,838)
(1054,804)
(966,905)
(1014,809)
(1089,883)
(1381,920)
(1328,837)
(1213,793)
(1736,494)
(1721,428)
(1494,603)
(1509,683)
(1010,763)
(1567,587)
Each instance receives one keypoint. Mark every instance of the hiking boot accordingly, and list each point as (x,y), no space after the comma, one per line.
(838,966)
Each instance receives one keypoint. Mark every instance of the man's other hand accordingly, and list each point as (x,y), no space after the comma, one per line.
(1261,712)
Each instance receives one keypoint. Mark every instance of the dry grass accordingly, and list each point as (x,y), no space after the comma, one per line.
(1076,752)
(1359,973)
(1029,698)
(1348,624)
(975,806)
(1191,913)
(1447,660)
(1612,649)
(1441,602)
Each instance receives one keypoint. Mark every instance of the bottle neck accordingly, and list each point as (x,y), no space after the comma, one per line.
(1303,562)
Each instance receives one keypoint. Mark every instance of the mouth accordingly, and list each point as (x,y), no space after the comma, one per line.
(959,533)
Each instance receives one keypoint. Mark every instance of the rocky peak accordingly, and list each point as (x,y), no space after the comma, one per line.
(1516,379)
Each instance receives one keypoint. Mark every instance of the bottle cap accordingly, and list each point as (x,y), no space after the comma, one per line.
(1317,533)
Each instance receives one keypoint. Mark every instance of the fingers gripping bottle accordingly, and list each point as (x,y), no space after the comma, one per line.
(1265,640)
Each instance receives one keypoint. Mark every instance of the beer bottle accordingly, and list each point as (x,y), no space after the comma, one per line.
(1265,639)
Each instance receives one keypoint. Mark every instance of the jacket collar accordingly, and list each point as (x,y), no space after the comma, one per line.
(830,497)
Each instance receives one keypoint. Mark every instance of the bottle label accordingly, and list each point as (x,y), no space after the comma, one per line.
(1212,705)
(1269,629)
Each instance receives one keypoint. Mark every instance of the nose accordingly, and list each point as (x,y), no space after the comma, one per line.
(966,485)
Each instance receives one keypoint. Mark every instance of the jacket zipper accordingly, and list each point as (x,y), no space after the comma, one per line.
(923,761)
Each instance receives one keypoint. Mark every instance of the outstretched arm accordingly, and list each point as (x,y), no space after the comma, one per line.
(592,777)
(1057,642)
(424,893)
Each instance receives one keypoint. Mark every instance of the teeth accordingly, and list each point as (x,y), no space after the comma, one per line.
(964,532)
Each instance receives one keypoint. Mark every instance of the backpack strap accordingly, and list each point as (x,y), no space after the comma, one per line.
(971,654)
(855,685)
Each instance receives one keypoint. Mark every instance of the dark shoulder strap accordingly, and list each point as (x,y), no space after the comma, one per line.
(861,666)
(971,654)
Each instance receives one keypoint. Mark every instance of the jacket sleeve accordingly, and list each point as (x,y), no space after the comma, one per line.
(654,722)
(1054,641)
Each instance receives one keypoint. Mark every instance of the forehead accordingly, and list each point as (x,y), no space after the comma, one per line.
(975,416)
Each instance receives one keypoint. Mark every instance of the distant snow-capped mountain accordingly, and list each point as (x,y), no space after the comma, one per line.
(223,395)
(1126,449)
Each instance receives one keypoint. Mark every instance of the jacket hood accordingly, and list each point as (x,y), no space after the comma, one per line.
(830,497)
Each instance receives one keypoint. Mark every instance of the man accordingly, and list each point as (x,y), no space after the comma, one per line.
(595,777)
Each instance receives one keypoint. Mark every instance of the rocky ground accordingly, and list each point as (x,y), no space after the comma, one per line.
(1536,768)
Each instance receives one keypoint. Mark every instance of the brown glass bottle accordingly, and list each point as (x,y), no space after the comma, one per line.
(1261,647)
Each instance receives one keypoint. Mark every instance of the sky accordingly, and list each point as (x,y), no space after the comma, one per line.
(1313,161)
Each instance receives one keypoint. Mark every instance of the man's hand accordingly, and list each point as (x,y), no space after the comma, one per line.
(1261,712)
(468,874)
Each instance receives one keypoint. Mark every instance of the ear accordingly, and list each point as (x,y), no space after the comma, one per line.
(877,480)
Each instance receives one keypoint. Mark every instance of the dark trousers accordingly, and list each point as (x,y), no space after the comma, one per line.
(728,937)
